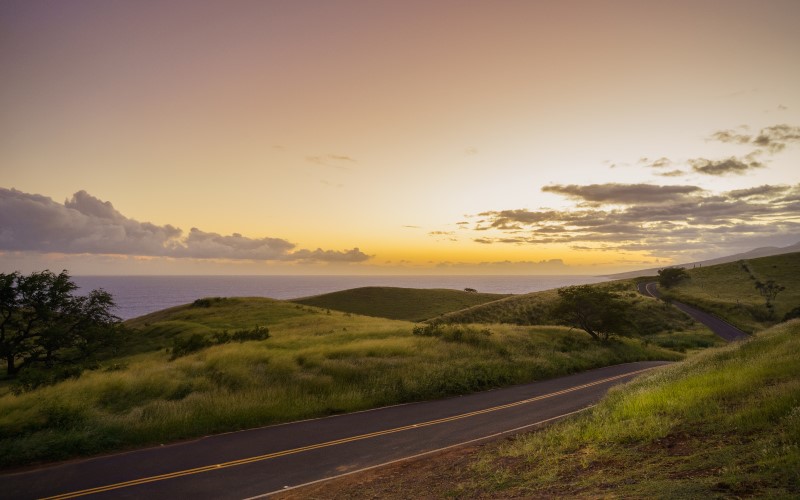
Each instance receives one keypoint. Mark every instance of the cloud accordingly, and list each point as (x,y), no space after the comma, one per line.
(765,191)
(623,194)
(662,162)
(774,139)
(695,219)
(87,225)
(341,162)
(672,173)
(777,137)
(319,255)
(724,167)
(731,136)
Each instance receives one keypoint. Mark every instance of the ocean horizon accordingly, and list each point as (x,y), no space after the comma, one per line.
(139,295)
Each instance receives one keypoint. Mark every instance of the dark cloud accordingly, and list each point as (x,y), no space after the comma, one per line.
(774,139)
(441,233)
(724,167)
(85,224)
(731,136)
(777,137)
(623,194)
(662,162)
(672,173)
(696,219)
(765,191)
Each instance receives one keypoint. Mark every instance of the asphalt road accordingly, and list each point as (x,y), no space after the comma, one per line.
(716,325)
(261,461)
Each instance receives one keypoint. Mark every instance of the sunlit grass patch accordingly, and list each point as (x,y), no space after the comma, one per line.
(724,422)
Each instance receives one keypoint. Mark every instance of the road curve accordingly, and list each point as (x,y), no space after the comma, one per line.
(715,324)
(270,459)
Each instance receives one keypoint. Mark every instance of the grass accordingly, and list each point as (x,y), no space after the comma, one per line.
(409,304)
(315,363)
(725,423)
(650,319)
(728,290)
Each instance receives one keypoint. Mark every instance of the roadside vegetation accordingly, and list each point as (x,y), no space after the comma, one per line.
(725,423)
(314,363)
(411,304)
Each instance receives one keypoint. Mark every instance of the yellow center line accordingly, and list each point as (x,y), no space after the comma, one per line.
(277,454)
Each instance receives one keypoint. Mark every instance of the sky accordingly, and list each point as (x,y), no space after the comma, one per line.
(404,137)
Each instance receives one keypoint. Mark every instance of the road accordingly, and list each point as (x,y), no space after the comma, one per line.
(266,460)
(716,325)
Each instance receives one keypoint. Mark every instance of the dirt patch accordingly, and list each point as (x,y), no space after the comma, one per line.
(434,476)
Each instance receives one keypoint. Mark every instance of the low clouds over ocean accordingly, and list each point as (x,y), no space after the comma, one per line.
(86,224)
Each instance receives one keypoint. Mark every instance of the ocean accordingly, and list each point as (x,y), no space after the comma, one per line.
(138,295)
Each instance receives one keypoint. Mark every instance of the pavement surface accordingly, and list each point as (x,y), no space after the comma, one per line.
(722,328)
(267,460)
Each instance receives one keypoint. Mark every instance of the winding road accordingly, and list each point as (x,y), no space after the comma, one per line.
(716,325)
(263,461)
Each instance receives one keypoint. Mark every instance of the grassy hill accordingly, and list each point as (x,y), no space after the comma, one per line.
(728,290)
(649,319)
(411,304)
(723,424)
(314,363)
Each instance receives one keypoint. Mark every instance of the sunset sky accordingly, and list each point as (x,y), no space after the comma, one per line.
(463,137)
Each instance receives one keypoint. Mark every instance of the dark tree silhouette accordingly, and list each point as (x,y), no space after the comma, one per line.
(769,291)
(671,276)
(42,323)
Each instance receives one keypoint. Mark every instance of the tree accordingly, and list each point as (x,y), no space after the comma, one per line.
(671,276)
(42,323)
(593,309)
(769,291)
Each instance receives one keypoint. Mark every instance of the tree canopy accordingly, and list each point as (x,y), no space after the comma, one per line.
(43,323)
(671,276)
(593,309)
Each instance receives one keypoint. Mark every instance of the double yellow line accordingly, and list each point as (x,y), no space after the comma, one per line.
(277,454)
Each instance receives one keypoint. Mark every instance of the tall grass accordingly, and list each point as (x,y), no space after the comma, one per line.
(725,422)
(314,364)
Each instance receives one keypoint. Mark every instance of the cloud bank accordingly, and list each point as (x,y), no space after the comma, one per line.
(664,220)
(85,224)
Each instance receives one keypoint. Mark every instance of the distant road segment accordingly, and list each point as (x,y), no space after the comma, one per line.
(715,324)
(267,460)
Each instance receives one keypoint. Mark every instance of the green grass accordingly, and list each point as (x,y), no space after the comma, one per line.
(725,423)
(409,304)
(315,363)
(728,290)
(650,319)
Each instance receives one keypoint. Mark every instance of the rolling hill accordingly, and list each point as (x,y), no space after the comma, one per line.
(410,304)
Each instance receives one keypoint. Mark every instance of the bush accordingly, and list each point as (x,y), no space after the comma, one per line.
(196,342)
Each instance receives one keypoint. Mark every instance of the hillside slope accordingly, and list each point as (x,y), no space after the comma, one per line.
(410,304)
(729,291)
(752,254)
(723,424)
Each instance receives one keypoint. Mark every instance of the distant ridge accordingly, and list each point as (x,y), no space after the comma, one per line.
(752,254)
